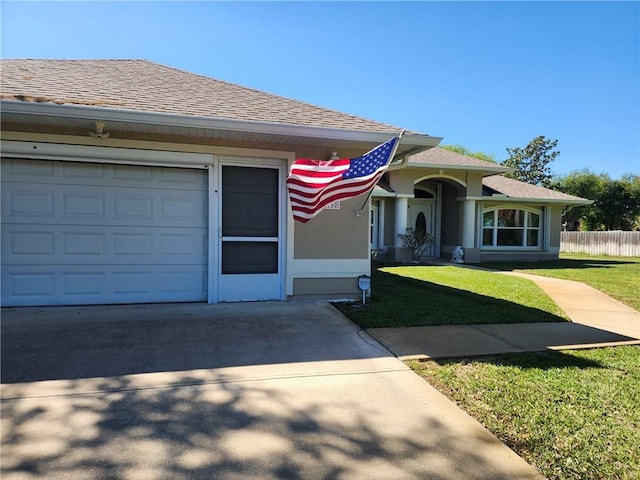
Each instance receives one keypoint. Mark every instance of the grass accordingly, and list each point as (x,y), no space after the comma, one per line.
(618,277)
(448,295)
(574,415)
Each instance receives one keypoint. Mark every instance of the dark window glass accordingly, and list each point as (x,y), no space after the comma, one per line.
(421,223)
(532,237)
(510,218)
(510,238)
(419,193)
(487,237)
(249,202)
(249,257)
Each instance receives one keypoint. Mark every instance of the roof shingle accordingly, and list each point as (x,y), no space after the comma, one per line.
(517,189)
(443,157)
(140,85)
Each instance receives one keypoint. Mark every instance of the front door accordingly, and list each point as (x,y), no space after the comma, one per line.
(250,234)
(421,218)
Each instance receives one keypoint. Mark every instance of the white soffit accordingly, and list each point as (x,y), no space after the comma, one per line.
(127,121)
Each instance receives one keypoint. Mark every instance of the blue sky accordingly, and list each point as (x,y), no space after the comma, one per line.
(485,75)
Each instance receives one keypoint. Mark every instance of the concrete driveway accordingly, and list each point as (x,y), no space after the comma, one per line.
(231,391)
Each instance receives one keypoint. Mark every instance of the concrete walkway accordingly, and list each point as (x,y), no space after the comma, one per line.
(597,320)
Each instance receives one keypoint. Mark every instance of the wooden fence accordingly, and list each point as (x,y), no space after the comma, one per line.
(616,243)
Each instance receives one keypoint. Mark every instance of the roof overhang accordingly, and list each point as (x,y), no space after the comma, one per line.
(486,171)
(541,201)
(158,123)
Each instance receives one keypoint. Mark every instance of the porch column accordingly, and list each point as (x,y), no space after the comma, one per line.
(468,223)
(380,232)
(402,204)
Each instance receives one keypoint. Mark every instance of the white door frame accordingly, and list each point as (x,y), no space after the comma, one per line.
(427,206)
(230,287)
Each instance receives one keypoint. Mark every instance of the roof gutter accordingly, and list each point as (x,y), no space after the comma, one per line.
(506,198)
(488,171)
(191,121)
(404,158)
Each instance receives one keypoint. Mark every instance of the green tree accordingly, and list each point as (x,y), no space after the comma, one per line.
(585,184)
(531,163)
(465,151)
(619,203)
(616,203)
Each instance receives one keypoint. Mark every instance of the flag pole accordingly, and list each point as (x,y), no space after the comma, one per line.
(359,211)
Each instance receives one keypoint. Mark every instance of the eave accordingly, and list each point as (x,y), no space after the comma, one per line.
(159,123)
(507,199)
(486,171)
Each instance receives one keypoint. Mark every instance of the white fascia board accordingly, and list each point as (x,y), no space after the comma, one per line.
(487,170)
(384,194)
(501,198)
(83,153)
(191,121)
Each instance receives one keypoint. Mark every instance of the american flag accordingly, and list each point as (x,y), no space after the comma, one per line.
(313,184)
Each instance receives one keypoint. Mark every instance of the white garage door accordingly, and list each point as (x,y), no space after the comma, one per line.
(88,233)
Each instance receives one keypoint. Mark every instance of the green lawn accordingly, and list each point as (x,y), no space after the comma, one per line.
(448,295)
(618,277)
(574,415)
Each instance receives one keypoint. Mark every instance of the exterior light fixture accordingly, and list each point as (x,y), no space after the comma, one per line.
(99,131)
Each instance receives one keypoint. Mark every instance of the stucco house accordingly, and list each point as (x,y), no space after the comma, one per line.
(467,202)
(125,181)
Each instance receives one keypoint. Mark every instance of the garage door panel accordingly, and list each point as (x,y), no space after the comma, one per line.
(77,244)
(84,205)
(26,203)
(101,174)
(95,284)
(29,171)
(111,240)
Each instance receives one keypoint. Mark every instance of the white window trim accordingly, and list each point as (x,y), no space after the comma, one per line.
(541,228)
(374,227)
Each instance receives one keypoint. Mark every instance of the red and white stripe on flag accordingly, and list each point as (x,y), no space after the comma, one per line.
(313,184)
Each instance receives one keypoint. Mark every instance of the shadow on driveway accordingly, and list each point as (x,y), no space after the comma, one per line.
(105,341)
(239,391)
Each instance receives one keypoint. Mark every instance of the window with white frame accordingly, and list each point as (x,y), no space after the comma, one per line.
(511,227)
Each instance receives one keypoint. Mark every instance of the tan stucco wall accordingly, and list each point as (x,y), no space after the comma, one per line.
(474,184)
(555,226)
(335,233)
(325,288)
(401,181)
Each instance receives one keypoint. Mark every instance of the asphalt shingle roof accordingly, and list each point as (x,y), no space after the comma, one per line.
(498,183)
(140,85)
(516,189)
(444,157)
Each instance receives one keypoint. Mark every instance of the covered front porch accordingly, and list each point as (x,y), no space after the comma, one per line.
(438,192)
(435,208)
